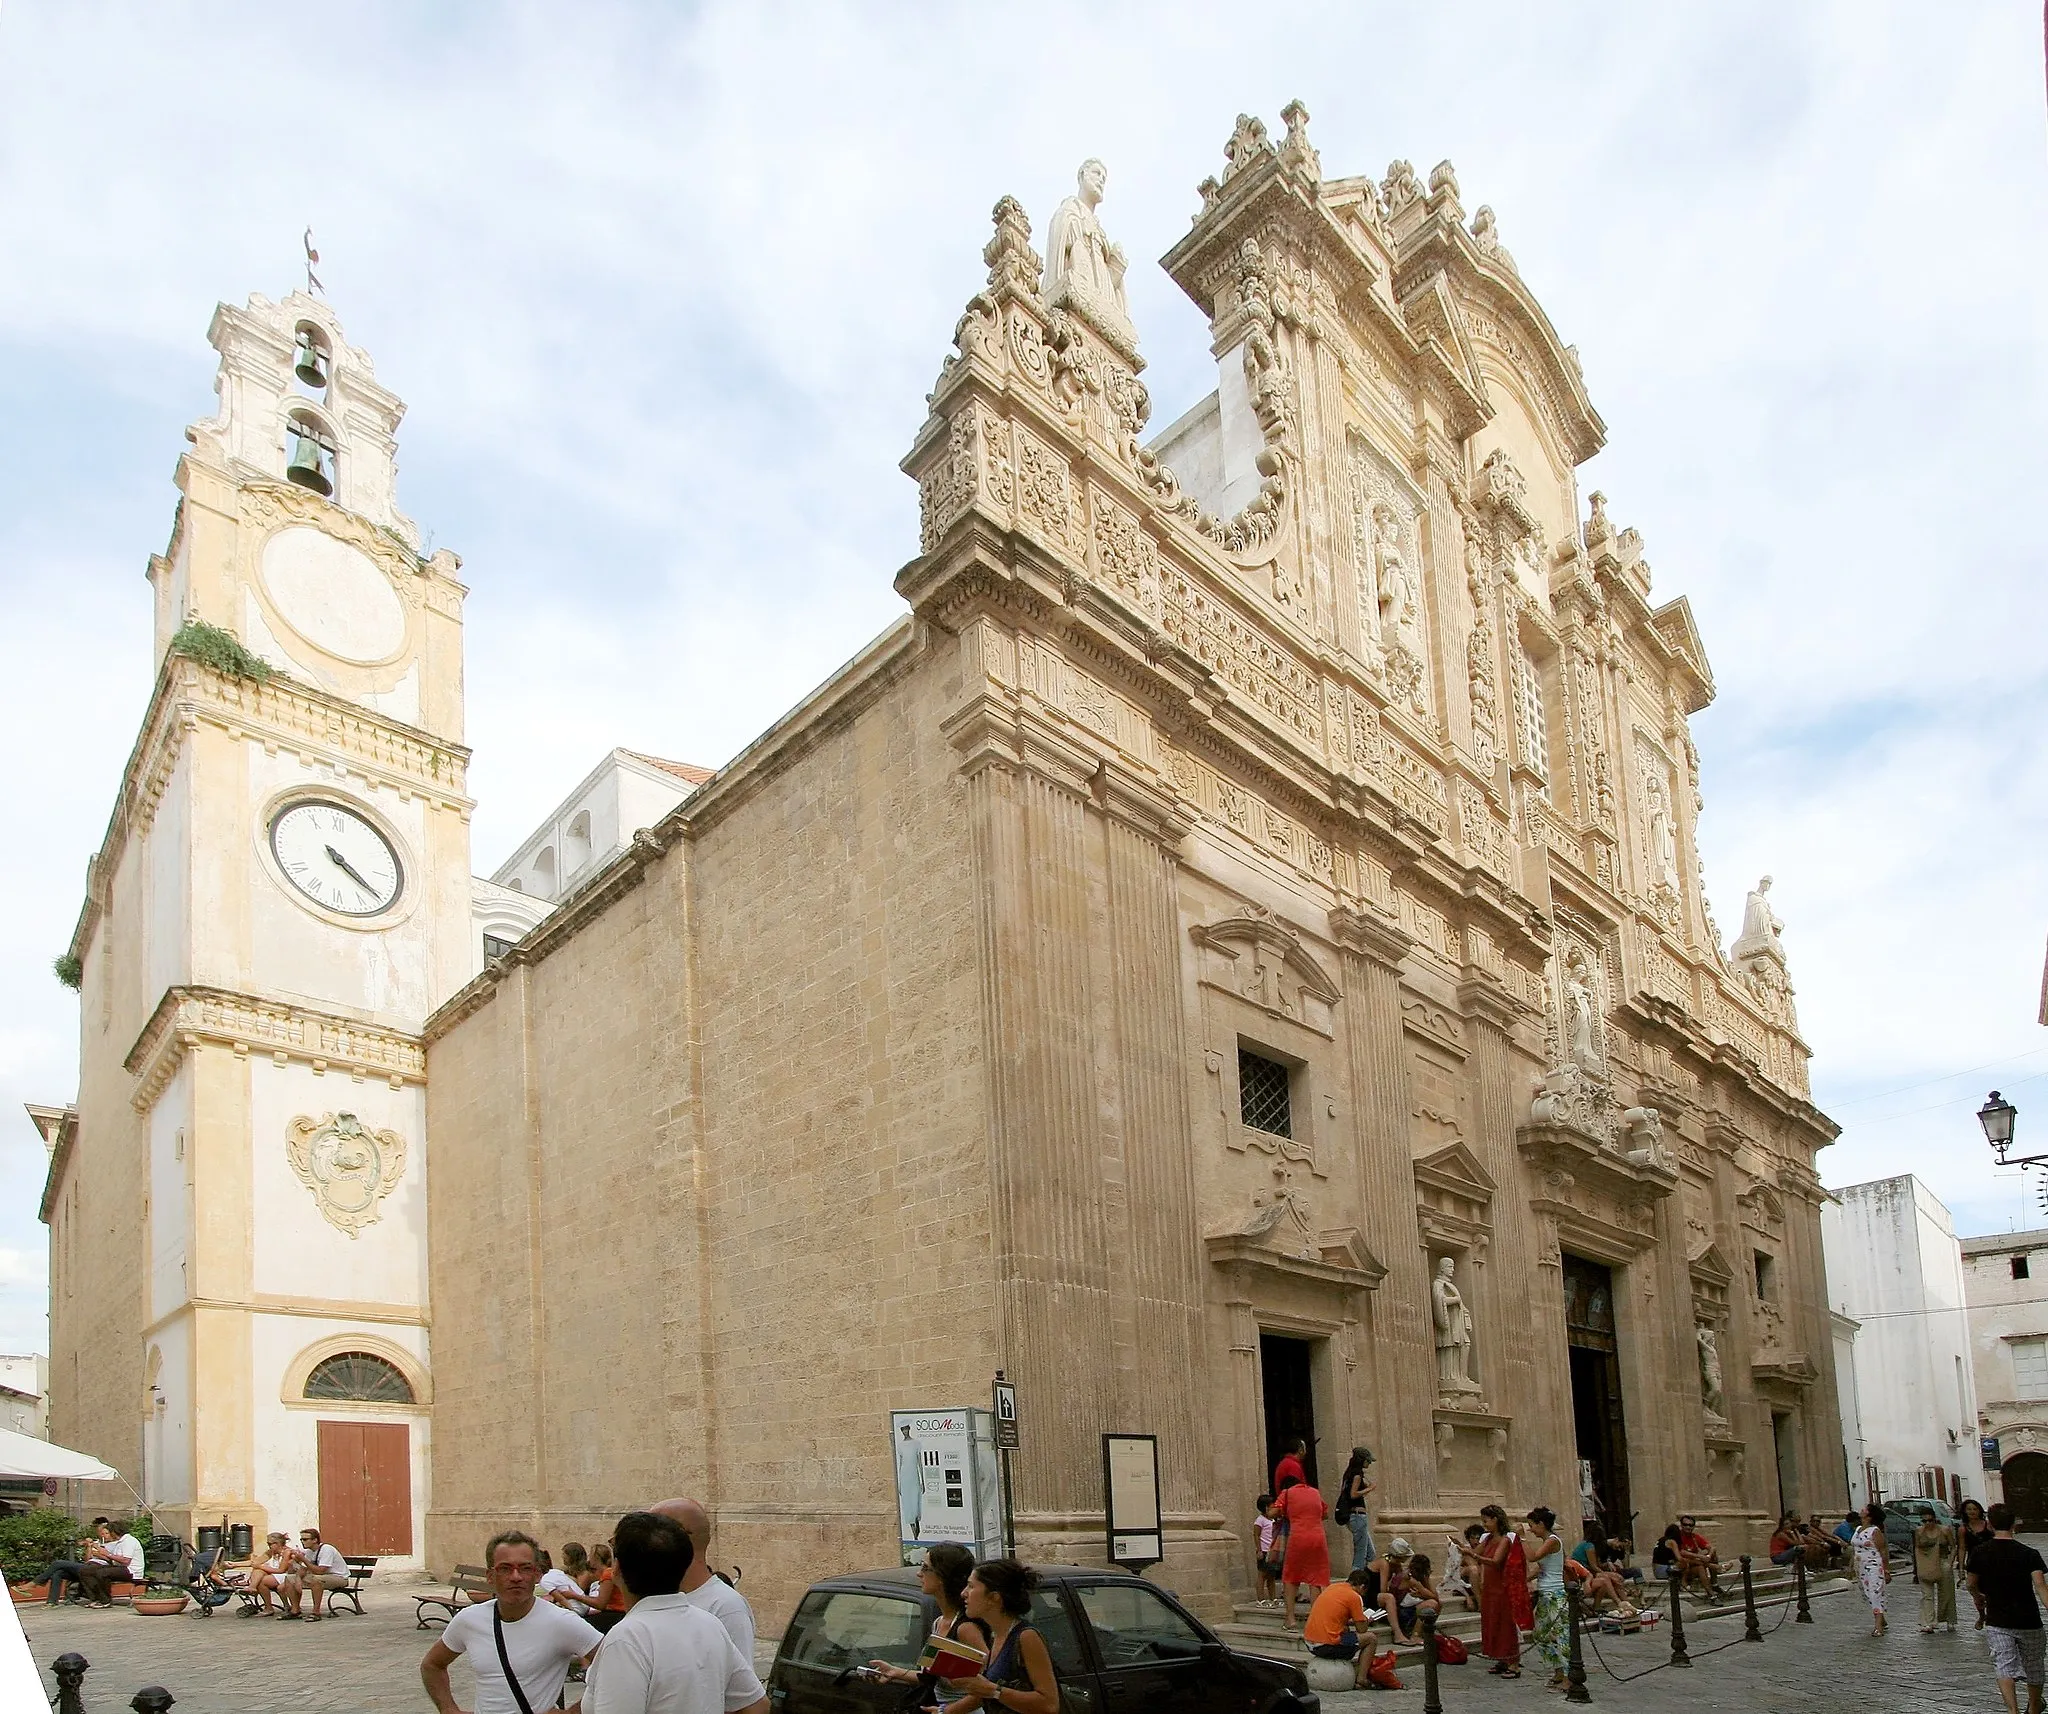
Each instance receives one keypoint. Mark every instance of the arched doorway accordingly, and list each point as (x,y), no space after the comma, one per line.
(2026,1488)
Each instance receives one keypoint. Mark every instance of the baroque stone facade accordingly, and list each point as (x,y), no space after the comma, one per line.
(1260,870)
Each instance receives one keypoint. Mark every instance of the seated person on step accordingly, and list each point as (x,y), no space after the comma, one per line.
(1698,1568)
(1597,1579)
(1336,1628)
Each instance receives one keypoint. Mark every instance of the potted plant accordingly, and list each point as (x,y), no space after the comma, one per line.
(158,1600)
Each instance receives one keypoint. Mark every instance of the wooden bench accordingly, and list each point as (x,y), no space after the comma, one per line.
(470,1583)
(361,1566)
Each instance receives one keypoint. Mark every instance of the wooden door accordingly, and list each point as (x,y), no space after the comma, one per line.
(366,1486)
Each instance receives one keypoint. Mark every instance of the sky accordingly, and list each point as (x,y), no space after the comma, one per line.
(665,286)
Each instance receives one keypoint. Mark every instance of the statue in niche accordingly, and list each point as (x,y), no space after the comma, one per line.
(1453,1331)
(1083,269)
(1400,595)
(1710,1370)
(1663,844)
(1580,1008)
(1760,925)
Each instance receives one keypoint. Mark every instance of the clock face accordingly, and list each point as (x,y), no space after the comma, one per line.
(336,858)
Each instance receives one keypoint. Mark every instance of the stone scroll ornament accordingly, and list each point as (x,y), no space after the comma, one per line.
(348,1167)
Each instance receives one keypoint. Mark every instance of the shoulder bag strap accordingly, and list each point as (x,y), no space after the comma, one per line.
(505,1660)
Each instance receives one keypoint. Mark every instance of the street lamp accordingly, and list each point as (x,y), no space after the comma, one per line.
(1996,1116)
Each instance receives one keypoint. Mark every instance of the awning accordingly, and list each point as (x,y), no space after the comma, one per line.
(24,1455)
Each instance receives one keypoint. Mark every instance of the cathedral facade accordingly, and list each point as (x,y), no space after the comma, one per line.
(1233,956)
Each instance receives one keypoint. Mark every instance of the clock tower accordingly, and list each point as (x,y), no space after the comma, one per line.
(238,1213)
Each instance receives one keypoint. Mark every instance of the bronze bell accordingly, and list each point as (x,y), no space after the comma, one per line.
(311,366)
(305,467)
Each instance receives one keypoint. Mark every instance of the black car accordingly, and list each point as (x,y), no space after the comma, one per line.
(1120,1645)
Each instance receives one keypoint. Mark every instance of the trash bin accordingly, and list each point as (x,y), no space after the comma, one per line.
(241,1541)
(209,1538)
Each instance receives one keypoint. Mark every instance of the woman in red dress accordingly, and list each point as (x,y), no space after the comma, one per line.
(1307,1565)
(1504,1605)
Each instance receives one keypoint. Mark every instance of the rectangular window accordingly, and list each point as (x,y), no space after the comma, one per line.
(1263,1094)
(1764,1271)
(495,946)
(2019,1267)
(2030,1368)
(1532,725)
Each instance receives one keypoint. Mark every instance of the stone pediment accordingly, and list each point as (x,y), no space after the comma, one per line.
(1438,326)
(1455,1169)
(1763,1209)
(1710,1267)
(1673,622)
(1258,958)
(1792,1370)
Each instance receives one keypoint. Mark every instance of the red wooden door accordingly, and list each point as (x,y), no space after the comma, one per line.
(366,1486)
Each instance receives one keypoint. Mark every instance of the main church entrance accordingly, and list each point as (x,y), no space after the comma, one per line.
(1596,1394)
(1288,1382)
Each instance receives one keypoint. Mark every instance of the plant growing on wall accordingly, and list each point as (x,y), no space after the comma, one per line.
(221,650)
(68,970)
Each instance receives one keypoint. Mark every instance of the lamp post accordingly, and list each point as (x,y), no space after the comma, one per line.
(1996,1116)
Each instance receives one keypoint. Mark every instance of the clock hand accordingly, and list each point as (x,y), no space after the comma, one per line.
(348,869)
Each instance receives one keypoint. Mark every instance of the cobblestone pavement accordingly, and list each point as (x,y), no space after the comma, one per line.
(1794,1670)
(226,1665)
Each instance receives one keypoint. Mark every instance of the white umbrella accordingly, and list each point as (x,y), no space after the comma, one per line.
(23,1455)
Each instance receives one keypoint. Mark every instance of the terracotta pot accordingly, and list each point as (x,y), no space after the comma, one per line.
(159,1606)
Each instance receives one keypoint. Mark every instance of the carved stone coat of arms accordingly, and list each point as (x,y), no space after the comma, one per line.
(348,1167)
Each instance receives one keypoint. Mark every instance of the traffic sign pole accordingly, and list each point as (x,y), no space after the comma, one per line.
(1006,1442)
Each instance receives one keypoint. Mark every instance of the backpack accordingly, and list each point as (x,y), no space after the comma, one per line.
(1450,1651)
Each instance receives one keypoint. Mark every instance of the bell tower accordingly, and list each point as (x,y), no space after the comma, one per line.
(282,898)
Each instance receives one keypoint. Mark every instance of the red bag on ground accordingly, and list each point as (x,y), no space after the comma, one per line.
(1381,1672)
(1451,1651)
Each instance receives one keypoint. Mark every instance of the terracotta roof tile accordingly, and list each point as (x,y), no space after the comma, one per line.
(689,771)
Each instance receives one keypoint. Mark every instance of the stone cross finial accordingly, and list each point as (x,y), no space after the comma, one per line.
(1296,153)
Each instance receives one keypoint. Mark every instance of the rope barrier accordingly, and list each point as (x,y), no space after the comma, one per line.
(1784,1604)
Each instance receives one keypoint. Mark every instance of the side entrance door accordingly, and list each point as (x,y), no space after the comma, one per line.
(366,1486)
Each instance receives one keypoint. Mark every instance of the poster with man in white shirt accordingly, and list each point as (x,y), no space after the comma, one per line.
(536,1639)
(667,1655)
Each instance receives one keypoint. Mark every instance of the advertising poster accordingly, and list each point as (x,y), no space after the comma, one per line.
(947,1487)
(1130,1484)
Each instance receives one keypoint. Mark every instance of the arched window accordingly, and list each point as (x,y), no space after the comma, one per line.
(576,843)
(360,1376)
(310,454)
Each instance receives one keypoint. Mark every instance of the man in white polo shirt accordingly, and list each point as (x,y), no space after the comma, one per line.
(538,1639)
(704,1587)
(666,1656)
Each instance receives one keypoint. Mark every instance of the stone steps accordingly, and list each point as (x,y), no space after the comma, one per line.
(1263,1630)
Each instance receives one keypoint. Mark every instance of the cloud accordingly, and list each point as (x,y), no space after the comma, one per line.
(665,288)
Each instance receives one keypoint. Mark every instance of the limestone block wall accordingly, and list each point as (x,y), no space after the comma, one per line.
(710,1172)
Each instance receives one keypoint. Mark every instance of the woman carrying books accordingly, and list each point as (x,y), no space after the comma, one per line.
(959,1645)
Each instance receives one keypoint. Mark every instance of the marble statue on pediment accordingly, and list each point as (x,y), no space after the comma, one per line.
(1760,926)
(1084,271)
(1581,1008)
(1453,1332)
(1663,842)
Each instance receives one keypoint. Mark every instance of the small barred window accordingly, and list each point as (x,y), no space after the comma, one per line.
(1263,1094)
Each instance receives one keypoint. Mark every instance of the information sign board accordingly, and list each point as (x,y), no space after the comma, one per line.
(1130,1500)
(1006,1417)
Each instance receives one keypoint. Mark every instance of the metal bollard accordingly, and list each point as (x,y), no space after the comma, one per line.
(154,1700)
(70,1670)
(1575,1675)
(1678,1655)
(1805,1614)
(1432,1702)
(1750,1631)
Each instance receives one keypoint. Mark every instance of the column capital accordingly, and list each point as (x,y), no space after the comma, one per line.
(1371,935)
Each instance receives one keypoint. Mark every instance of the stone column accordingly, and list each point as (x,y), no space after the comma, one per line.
(1405,1359)
(1526,1375)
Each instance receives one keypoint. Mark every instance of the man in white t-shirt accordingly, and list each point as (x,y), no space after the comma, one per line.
(541,1639)
(319,1567)
(666,1656)
(704,1587)
(109,1559)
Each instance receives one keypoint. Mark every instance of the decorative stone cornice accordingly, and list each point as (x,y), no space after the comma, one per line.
(187,1017)
(1371,936)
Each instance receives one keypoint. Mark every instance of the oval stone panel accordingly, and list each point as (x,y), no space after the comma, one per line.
(333,595)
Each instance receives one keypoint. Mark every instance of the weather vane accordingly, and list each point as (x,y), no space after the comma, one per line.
(312,257)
